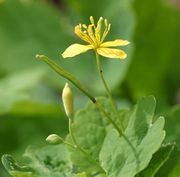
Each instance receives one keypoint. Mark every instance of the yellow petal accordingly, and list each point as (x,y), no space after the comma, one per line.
(112,53)
(76,49)
(118,42)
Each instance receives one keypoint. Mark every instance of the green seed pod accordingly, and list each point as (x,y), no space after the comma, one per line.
(67,97)
(54,139)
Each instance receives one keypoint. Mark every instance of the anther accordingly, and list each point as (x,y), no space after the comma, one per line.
(92,19)
(84,26)
(106,22)
(101,18)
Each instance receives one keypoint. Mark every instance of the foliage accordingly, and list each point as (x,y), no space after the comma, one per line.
(156,54)
(127,154)
(29,91)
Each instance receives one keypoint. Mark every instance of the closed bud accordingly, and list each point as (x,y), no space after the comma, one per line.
(54,139)
(67,97)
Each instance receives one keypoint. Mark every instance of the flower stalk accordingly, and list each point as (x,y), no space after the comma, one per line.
(113,104)
(67,97)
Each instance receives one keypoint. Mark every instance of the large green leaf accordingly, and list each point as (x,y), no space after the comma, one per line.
(15,170)
(172,126)
(43,162)
(90,127)
(16,87)
(127,155)
(90,120)
(29,123)
(155,66)
(118,154)
(171,167)
(158,159)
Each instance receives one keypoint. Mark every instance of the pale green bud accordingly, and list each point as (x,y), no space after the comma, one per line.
(54,139)
(67,97)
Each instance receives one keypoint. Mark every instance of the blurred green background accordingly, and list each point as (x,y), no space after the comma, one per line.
(30,104)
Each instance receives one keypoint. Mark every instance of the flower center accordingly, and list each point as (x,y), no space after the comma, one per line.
(93,33)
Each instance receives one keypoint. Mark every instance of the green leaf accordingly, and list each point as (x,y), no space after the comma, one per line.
(16,88)
(171,167)
(50,161)
(158,160)
(45,162)
(86,122)
(29,123)
(129,154)
(155,61)
(15,170)
(81,175)
(27,29)
(90,127)
(90,120)
(172,125)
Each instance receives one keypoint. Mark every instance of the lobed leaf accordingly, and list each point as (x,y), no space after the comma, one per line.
(157,161)
(129,154)
(42,162)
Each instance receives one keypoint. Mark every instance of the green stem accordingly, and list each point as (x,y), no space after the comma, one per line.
(76,146)
(71,131)
(120,133)
(101,109)
(115,109)
(120,130)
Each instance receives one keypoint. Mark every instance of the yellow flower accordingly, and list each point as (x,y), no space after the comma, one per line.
(93,35)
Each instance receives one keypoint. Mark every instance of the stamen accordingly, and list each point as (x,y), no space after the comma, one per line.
(106,31)
(100,19)
(92,19)
(109,27)
(78,31)
(98,30)
(106,22)
(84,26)
(91,34)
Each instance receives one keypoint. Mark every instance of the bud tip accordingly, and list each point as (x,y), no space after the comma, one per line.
(54,139)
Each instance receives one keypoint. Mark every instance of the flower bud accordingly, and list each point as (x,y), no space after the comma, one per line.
(67,97)
(54,139)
